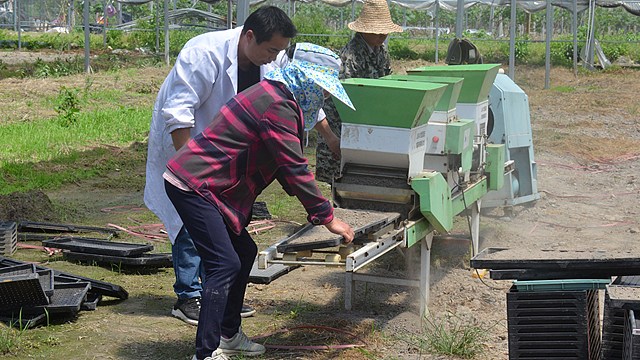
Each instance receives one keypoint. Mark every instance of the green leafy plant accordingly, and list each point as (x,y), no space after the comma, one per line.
(67,106)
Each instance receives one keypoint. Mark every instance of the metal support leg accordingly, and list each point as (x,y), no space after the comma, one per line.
(475,226)
(349,290)
(425,276)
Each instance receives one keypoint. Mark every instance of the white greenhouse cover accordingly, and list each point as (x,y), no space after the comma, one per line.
(632,6)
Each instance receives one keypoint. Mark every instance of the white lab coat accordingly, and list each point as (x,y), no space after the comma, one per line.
(203,79)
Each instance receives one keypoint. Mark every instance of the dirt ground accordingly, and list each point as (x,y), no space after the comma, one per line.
(586,133)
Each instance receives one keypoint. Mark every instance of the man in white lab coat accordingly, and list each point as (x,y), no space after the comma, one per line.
(209,71)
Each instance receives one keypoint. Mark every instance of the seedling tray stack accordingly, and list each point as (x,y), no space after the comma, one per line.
(631,336)
(105,251)
(612,330)
(27,290)
(553,324)
(31,294)
(8,238)
(618,339)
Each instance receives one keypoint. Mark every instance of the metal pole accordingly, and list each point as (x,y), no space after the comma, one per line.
(512,41)
(157,13)
(119,13)
(18,23)
(459,18)
(491,20)
(437,16)
(242,12)
(104,23)
(70,12)
(549,32)
(166,31)
(15,15)
(85,22)
(592,35)
(353,10)
(574,28)
(229,14)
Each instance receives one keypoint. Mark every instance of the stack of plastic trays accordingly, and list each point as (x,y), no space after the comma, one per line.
(8,238)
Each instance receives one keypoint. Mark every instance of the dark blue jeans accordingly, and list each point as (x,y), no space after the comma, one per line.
(227,259)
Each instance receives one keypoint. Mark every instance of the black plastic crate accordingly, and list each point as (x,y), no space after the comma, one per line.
(553,325)
(631,343)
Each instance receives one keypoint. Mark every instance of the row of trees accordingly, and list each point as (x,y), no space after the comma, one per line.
(481,19)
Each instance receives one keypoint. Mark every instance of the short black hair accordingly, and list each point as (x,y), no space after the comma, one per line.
(269,20)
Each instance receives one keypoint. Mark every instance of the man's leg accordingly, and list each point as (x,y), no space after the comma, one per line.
(187,267)
(221,263)
(247,250)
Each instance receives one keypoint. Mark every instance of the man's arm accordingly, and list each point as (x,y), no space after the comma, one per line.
(333,142)
(180,137)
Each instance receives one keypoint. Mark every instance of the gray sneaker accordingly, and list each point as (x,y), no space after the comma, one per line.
(216,355)
(240,344)
(247,311)
(187,310)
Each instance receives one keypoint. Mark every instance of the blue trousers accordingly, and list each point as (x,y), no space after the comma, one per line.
(227,259)
(187,266)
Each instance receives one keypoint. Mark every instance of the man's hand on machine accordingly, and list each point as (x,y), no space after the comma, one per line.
(341,228)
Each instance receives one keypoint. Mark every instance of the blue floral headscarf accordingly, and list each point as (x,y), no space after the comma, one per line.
(312,70)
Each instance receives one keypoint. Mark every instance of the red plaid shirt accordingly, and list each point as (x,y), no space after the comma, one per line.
(255,139)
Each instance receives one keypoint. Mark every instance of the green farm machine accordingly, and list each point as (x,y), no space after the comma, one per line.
(416,152)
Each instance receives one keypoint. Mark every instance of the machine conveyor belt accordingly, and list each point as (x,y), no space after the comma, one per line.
(312,237)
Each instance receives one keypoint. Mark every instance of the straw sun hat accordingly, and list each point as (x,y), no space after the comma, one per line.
(375,18)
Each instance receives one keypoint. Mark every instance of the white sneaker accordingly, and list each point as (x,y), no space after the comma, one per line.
(216,355)
(240,344)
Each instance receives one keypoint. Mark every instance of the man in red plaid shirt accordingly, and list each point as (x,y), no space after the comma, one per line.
(214,179)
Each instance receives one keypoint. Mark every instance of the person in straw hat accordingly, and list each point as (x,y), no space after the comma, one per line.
(365,56)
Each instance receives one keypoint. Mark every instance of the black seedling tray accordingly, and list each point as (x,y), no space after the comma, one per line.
(607,262)
(21,290)
(260,211)
(266,276)
(17,270)
(97,246)
(8,230)
(543,274)
(92,301)
(327,239)
(624,297)
(627,281)
(149,260)
(612,331)
(19,320)
(46,281)
(67,298)
(97,286)
(40,227)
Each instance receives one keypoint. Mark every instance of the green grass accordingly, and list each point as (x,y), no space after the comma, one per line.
(450,335)
(45,154)
(564,89)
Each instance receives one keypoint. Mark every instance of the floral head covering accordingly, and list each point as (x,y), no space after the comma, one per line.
(312,70)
